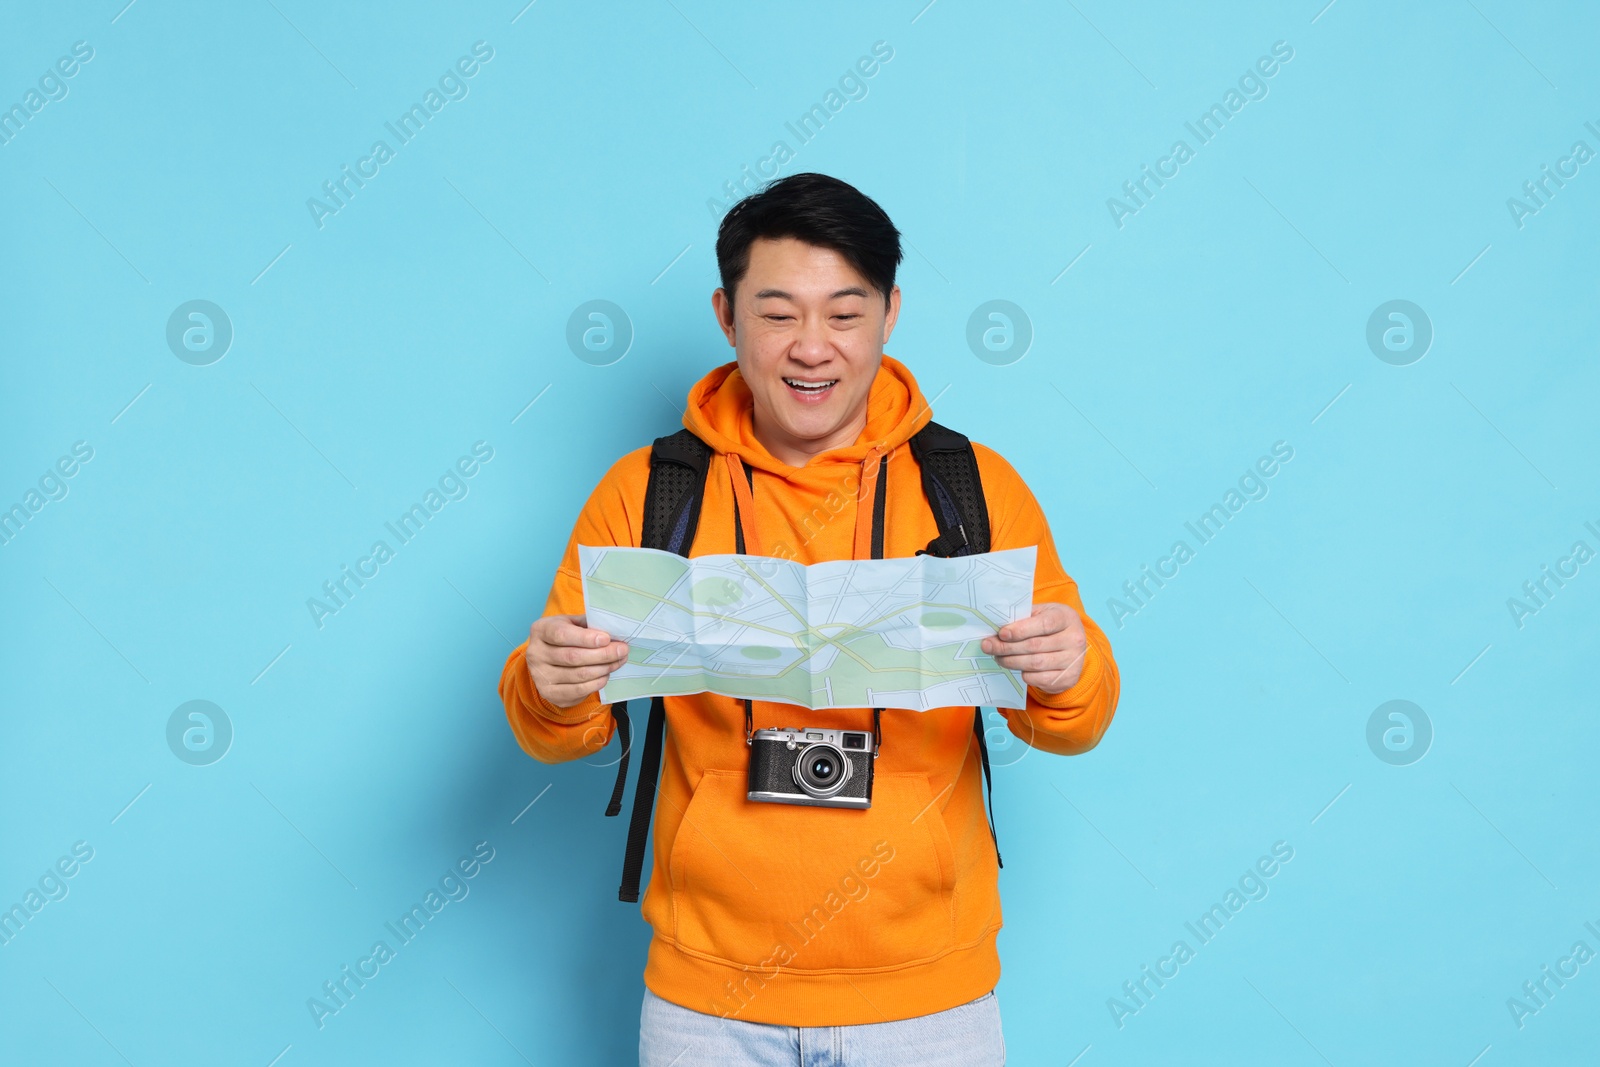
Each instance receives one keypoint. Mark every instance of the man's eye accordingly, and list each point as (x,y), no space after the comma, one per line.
(852,315)
(779,318)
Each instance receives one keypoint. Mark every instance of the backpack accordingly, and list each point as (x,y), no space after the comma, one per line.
(678,466)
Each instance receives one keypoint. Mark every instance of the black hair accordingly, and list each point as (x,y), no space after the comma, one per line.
(819,210)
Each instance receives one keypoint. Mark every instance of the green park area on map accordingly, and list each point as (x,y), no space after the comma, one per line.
(841,634)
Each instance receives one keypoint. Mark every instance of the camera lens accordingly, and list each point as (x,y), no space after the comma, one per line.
(821,770)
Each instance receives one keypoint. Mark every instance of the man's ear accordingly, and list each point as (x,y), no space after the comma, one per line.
(722,306)
(891,314)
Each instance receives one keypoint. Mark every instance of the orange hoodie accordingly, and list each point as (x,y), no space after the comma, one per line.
(809,916)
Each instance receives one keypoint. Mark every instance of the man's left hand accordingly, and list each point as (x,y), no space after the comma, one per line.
(1047,647)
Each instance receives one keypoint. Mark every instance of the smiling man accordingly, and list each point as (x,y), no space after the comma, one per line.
(803,935)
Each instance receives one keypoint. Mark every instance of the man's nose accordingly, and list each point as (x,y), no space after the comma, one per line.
(813,345)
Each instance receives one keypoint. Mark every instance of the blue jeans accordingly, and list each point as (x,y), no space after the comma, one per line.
(967,1035)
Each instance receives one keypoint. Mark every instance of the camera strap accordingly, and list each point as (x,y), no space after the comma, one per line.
(738,546)
(880,499)
(878,506)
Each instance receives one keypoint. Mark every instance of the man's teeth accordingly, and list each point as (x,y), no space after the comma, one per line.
(809,386)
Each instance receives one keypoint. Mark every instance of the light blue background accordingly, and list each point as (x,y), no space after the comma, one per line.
(1228,314)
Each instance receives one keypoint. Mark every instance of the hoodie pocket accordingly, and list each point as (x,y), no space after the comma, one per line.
(809,888)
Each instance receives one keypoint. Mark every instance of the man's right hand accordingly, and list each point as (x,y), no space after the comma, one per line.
(567,660)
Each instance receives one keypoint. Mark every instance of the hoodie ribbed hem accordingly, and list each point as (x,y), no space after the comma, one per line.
(831,998)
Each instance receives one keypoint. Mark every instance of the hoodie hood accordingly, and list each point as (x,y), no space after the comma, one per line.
(721,413)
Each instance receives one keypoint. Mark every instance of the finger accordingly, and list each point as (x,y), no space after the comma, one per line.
(574,656)
(1046,619)
(1044,661)
(1055,642)
(570,630)
(582,675)
(570,696)
(592,687)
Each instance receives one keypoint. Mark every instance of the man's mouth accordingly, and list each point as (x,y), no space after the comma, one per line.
(810,390)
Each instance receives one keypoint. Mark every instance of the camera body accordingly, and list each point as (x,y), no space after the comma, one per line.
(808,765)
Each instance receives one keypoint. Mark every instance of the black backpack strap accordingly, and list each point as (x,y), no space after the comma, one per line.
(644,799)
(619,712)
(988,778)
(954,490)
(678,466)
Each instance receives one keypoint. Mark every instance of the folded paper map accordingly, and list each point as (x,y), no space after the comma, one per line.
(901,633)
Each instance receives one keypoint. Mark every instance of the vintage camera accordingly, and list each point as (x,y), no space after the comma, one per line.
(826,768)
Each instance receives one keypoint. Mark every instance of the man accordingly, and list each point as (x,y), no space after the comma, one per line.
(798,935)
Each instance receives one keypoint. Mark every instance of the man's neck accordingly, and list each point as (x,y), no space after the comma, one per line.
(799,451)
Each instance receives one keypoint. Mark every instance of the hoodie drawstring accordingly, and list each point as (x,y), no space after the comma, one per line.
(866,502)
(746,504)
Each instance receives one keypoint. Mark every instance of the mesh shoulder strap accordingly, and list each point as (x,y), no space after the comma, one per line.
(954,490)
(678,466)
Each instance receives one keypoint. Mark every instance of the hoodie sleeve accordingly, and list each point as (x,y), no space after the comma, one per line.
(1073,720)
(610,517)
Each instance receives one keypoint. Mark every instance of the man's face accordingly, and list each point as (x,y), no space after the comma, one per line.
(809,330)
